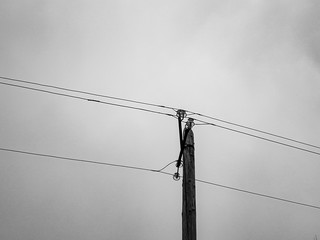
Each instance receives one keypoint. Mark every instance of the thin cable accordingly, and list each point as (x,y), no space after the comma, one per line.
(259,194)
(152,111)
(167,165)
(86,99)
(157,171)
(256,130)
(256,136)
(88,93)
(86,161)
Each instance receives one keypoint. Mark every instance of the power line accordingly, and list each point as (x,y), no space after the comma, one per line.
(88,93)
(158,171)
(88,99)
(87,161)
(256,130)
(256,136)
(158,112)
(160,106)
(258,194)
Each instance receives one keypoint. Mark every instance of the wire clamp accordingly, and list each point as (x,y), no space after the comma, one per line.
(176,176)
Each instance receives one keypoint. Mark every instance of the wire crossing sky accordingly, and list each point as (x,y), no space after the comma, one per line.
(87,99)
(158,112)
(84,92)
(160,106)
(255,136)
(158,171)
(256,130)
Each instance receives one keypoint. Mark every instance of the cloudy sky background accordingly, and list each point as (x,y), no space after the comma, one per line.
(250,62)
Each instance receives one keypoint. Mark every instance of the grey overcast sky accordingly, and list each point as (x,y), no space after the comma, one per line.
(252,62)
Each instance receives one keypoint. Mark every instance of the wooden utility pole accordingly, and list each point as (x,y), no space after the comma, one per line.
(188,186)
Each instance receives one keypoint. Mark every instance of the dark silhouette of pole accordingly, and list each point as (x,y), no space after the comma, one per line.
(188,186)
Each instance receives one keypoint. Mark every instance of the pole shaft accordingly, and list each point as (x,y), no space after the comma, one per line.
(189,190)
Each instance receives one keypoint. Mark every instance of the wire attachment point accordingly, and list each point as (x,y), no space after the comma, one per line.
(190,123)
(181,114)
(179,165)
(176,176)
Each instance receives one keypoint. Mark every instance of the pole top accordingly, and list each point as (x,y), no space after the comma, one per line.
(181,114)
(190,123)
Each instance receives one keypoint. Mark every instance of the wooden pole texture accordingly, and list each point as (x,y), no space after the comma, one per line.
(189,190)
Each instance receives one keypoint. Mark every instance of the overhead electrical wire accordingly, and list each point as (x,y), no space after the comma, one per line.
(258,194)
(256,130)
(158,112)
(89,99)
(88,93)
(157,171)
(87,161)
(256,136)
(160,106)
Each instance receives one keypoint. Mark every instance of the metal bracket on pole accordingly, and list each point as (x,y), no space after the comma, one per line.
(181,114)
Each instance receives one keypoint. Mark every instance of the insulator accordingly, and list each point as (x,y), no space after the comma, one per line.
(181,114)
(176,176)
(190,123)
